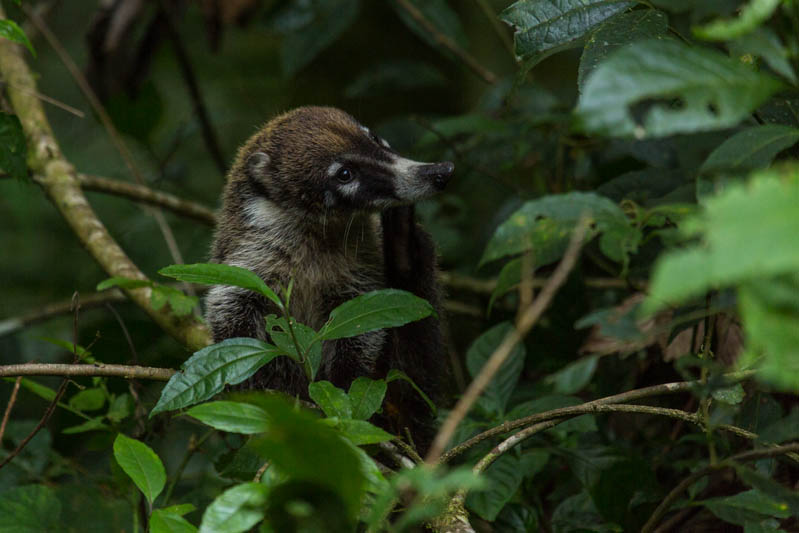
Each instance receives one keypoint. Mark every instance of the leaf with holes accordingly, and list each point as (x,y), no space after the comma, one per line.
(657,87)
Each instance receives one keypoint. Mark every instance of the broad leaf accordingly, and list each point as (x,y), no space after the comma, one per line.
(786,498)
(332,400)
(498,392)
(744,507)
(751,148)
(310,27)
(11,31)
(13,149)
(359,432)
(366,396)
(440,15)
(216,274)
(544,227)
(181,304)
(618,31)
(88,400)
(165,521)
(540,26)
(306,337)
(764,42)
(386,308)
(656,88)
(233,417)
(574,377)
(235,510)
(750,17)
(29,509)
(141,463)
(504,477)
(207,372)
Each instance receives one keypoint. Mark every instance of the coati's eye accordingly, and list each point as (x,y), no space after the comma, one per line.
(344,175)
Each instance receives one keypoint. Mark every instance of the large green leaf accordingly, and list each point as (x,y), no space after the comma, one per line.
(309,27)
(750,17)
(141,463)
(13,149)
(543,25)
(749,232)
(310,351)
(332,400)
(765,42)
(366,396)
(573,377)
(207,372)
(29,509)
(303,447)
(233,417)
(504,477)
(544,226)
(11,31)
(385,308)
(744,507)
(497,393)
(166,521)
(618,31)
(751,148)
(216,274)
(237,509)
(662,87)
(359,432)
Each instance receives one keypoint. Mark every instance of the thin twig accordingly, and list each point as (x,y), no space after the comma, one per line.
(260,472)
(52,101)
(751,455)
(444,40)
(525,322)
(93,370)
(9,407)
(144,194)
(636,394)
(187,71)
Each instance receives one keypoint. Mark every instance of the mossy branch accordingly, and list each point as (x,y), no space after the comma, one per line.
(60,182)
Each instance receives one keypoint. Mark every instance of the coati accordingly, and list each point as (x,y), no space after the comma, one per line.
(317,197)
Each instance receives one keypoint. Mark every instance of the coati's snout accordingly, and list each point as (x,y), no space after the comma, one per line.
(439,173)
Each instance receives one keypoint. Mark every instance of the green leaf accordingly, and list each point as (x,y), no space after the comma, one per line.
(499,390)
(544,226)
(88,400)
(207,372)
(165,521)
(359,432)
(302,446)
(366,396)
(141,463)
(764,42)
(311,27)
(744,507)
(395,76)
(750,17)
(509,277)
(574,376)
(616,32)
(29,509)
(233,417)
(751,148)
(395,374)
(123,283)
(503,478)
(441,16)
(786,499)
(9,30)
(385,308)
(730,395)
(279,334)
(216,274)
(782,430)
(93,424)
(182,304)
(657,87)
(121,407)
(543,26)
(332,400)
(749,232)
(13,149)
(237,509)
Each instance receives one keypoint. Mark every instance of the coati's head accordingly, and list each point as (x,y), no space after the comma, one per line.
(321,160)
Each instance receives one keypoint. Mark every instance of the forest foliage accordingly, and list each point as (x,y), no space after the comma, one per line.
(626,192)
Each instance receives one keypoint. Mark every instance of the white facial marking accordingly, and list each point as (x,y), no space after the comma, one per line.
(384,143)
(333,168)
(349,189)
(408,186)
(330,200)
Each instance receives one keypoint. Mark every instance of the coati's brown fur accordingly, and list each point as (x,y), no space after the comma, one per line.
(316,197)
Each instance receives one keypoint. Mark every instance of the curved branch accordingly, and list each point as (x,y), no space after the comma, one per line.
(60,183)
(146,195)
(93,370)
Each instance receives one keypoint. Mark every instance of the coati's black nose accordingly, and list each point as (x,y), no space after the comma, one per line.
(440,173)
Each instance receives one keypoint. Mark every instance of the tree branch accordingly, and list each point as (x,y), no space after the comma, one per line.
(60,183)
(467,59)
(526,321)
(92,370)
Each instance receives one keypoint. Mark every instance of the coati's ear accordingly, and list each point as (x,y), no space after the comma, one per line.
(257,162)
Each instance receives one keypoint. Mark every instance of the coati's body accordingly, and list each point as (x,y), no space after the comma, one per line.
(316,198)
